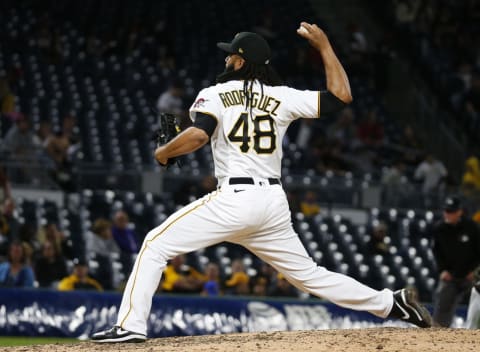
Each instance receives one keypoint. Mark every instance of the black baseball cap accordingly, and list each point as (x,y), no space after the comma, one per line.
(452,204)
(251,46)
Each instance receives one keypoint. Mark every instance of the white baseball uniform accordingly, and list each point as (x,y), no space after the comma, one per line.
(473,312)
(249,207)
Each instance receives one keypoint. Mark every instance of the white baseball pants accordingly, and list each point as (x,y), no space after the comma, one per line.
(256,217)
(473,312)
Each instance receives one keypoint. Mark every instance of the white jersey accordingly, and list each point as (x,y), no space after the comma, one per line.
(248,142)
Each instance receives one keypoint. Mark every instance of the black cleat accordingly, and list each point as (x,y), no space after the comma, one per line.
(407,308)
(117,334)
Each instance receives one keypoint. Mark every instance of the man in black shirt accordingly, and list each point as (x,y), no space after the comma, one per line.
(456,249)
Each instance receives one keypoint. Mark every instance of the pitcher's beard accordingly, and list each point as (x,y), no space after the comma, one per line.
(230,74)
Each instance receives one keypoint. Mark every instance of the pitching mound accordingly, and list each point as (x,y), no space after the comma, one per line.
(379,339)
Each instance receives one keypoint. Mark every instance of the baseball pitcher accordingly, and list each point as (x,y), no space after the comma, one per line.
(244,117)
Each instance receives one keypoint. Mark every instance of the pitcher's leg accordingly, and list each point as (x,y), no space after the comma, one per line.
(287,255)
(187,230)
(141,286)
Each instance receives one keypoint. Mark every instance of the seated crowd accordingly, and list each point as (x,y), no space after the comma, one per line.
(48,269)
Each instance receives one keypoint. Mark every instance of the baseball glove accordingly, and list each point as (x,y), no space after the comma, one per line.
(167,130)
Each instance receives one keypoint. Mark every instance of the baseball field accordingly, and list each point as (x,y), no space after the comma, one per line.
(358,340)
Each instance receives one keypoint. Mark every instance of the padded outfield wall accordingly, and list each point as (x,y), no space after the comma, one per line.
(79,313)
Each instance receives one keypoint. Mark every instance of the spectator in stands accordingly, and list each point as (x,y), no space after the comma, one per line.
(50,266)
(456,247)
(330,157)
(432,174)
(125,238)
(102,248)
(259,286)
(157,46)
(5,188)
(9,224)
(44,133)
(411,146)
(4,244)
(309,205)
(265,281)
(57,148)
(21,145)
(394,184)
(283,288)
(343,129)
(79,279)
(471,177)
(268,274)
(370,130)
(211,287)
(16,271)
(238,283)
(405,13)
(5,229)
(70,130)
(60,148)
(377,244)
(171,101)
(27,234)
(123,234)
(51,232)
(304,134)
(7,98)
(370,138)
(476,217)
(462,79)
(181,278)
(100,239)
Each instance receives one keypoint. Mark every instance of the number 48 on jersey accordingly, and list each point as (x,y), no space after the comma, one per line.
(264,138)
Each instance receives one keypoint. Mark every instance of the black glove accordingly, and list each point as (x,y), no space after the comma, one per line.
(167,130)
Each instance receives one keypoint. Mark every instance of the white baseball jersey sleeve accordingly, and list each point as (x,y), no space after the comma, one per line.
(248,141)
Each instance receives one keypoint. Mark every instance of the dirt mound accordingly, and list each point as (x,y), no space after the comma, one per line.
(358,340)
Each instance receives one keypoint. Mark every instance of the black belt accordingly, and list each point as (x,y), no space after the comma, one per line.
(250,181)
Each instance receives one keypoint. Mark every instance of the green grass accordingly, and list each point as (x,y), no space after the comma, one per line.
(27,340)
